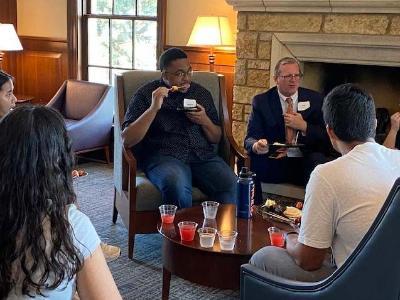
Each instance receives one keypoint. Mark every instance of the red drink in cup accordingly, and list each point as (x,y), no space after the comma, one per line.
(187,230)
(276,236)
(167,219)
(167,213)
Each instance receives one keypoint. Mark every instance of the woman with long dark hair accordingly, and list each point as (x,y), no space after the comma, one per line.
(7,98)
(47,246)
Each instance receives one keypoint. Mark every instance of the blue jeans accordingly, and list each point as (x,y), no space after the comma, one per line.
(175,178)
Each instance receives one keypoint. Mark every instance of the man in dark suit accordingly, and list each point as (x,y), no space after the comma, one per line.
(286,114)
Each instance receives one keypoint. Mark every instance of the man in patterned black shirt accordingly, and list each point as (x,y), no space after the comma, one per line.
(176,148)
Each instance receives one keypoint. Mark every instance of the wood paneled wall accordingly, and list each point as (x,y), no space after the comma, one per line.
(41,68)
(224,64)
(8,15)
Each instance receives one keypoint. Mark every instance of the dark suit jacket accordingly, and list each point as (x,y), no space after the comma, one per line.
(266,121)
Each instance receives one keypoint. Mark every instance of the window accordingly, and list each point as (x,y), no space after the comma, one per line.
(120,35)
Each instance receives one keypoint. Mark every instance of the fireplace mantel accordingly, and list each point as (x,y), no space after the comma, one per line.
(328,6)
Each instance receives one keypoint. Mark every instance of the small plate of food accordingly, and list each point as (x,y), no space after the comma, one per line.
(283,211)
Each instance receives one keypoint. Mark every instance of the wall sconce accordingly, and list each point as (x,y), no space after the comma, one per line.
(211,31)
(9,40)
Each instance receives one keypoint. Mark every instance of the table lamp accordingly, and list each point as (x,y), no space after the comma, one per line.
(211,31)
(9,40)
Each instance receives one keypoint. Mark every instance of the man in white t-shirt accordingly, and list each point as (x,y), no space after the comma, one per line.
(343,197)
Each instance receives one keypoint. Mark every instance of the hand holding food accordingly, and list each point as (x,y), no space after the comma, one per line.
(158,96)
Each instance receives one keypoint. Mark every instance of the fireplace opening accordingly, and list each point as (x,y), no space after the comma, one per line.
(380,81)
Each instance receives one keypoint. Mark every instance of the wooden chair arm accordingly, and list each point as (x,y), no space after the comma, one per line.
(235,152)
(131,162)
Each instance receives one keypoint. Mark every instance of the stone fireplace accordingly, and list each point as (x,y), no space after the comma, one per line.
(361,33)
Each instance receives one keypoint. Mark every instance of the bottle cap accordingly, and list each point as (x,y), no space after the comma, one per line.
(245,173)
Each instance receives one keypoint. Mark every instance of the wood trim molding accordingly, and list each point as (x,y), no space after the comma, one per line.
(73,15)
(311,6)
(162,20)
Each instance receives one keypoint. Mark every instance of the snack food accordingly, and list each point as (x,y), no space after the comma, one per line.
(292,212)
(299,205)
(174,88)
(269,202)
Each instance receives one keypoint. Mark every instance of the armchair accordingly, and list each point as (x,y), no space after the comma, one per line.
(87,108)
(136,199)
(371,272)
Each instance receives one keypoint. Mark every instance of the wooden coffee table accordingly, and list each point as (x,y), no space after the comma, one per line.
(211,266)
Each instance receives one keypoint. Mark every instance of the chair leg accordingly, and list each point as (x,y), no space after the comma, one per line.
(107,153)
(115,211)
(131,241)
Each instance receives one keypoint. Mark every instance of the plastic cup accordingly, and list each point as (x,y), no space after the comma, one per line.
(227,239)
(207,236)
(210,223)
(167,213)
(276,236)
(210,209)
(187,230)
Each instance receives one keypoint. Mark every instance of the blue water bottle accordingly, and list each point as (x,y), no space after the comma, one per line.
(245,193)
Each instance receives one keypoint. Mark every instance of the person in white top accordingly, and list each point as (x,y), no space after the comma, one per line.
(49,249)
(343,197)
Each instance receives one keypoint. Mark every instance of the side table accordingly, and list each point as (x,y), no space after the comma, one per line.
(23,99)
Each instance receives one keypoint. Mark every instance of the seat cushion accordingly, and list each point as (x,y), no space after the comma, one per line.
(69,123)
(148,196)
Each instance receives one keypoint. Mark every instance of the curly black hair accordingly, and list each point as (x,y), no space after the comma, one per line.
(36,238)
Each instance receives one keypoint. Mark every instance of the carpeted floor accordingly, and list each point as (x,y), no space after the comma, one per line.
(140,278)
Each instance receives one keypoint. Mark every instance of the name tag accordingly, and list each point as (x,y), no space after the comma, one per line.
(189,103)
(303,105)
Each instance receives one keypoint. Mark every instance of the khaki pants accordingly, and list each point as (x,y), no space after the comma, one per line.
(277,261)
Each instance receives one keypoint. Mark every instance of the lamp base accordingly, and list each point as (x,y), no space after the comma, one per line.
(1,60)
(211,61)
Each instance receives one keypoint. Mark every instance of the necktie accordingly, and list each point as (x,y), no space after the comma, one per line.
(289,132)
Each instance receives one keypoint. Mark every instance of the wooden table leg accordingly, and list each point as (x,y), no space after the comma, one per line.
(165,284)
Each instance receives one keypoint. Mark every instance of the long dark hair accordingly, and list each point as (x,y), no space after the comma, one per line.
(4,77)
(36,162)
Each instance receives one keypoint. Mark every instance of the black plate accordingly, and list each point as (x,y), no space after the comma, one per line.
(187,109)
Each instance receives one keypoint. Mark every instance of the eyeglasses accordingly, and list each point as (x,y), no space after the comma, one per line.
(292,76)
(181,74)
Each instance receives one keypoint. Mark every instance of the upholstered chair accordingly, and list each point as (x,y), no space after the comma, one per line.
(136,198)
(87,108)
(371,272)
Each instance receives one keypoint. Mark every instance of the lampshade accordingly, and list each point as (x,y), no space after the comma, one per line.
(9,40)
(211,31)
